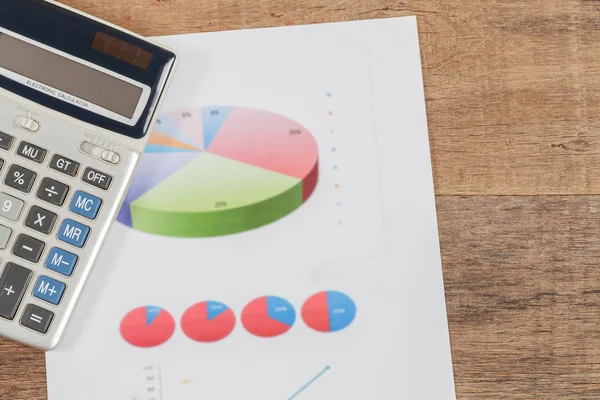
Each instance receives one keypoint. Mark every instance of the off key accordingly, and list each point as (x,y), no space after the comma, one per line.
(96,178)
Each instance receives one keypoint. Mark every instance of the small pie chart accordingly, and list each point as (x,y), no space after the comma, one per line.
(148,326)
(329,311)
(214,171)
(208,321)
(268,316)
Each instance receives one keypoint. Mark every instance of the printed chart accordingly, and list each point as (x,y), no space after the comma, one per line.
(329,311)
(147,326)
(209,321)
(268,316)
(215,171)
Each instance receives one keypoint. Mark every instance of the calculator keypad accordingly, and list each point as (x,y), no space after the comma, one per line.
(20,178)
(55,202)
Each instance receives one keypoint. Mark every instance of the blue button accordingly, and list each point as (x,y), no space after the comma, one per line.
(48,289)
(73,233)
(61,261)
(85,204)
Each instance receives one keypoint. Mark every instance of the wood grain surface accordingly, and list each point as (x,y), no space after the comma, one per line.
(513,100)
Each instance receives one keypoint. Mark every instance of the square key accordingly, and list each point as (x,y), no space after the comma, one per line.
(6,141)
(37,318)
(64,165)
(20,178)
(13,284)
(28,248)
(40,220)
(4,236)
(85,204)
(61,261)
(31,152)
(52,191)
(73,233)
(49,289)
(10,207)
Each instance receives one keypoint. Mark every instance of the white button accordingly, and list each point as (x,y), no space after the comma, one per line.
(111,157)
(29,124)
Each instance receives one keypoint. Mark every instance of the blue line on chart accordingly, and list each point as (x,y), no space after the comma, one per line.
(303,388)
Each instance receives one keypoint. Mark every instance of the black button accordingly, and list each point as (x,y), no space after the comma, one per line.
(13,284)
(37,318)
(41,220)
(28,248)
(20,178)
(64,165)
(6,141)
(31,152)
(96,178)
(52,191)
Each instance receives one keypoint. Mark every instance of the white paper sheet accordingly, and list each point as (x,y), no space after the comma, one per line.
(363,247)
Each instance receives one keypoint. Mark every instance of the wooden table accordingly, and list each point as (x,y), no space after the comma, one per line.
(513,99)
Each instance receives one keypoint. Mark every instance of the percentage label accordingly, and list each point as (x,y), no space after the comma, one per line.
(295,132)
(19,178)
(339,311)
(220,204)
(280,309)
(214,112)
(186,115)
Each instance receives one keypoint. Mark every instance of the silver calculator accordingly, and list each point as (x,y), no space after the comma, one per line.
(78,97)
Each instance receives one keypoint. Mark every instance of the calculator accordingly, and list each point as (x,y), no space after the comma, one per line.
(78,98)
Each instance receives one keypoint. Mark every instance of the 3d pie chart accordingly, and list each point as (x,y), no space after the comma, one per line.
(329,311)
(214,171)
(208,321)
(147,326)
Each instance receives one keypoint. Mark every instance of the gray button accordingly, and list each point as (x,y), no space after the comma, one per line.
(28,248)
(52,191)
(96,178)
(4,236)
(20,178)
(31,152)
(64,165)
(13,284)
(41,220)
(10,207)
(6,141)
(37,318)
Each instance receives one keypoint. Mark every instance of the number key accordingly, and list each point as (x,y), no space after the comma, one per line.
(20,178)
(10,207)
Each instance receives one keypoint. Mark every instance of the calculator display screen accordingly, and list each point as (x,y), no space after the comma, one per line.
(68,79)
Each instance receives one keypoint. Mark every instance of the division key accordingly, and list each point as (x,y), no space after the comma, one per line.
(13,284)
